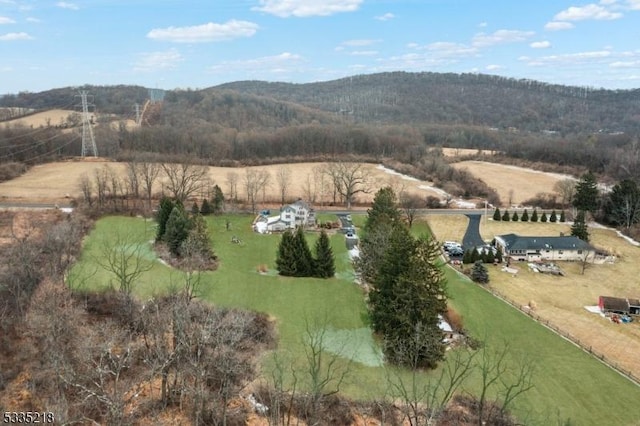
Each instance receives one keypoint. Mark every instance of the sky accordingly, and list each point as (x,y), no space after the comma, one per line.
(195,44)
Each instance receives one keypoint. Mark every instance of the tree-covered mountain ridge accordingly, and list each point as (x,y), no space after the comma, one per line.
(394,98)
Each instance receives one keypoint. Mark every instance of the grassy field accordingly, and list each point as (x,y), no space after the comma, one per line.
(568,382)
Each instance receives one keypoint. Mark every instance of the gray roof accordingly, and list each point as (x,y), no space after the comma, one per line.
(516,242)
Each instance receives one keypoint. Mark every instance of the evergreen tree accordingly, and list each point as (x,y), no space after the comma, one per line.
(383,209)
(586,195)
(496,215)
(554,217)
(514,218)
(623,204)
(505,216)
(543,218)
(475,255)
(286,256)
(218,200)
(393,262)
(195,209)
(177,229)
(467,257)
(324,260)
(304,260)
(205,208)
(498,255)
(562,217)
(534,216)
(166,206)
(525,216)
(413,337)
(479,273)
(579,228)
(490,257)
(197,245)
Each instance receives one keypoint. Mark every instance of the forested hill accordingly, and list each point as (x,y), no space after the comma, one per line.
(419,98)
(397,98)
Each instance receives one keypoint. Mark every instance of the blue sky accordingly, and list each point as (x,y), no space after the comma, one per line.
(172,44)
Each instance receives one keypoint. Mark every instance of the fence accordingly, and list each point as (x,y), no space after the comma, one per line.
(544,322)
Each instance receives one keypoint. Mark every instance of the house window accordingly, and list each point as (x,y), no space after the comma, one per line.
(559,251)
(579,251)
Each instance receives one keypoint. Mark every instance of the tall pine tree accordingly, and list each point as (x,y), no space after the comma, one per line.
(304,259)
(286,256)
(324,260)
(586,196)
(383,210)
(177,229)
(164,210)
(579,228)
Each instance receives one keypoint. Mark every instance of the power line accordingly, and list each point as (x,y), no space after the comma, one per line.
(88,140)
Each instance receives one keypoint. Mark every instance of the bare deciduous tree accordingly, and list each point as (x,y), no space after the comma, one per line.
(255,181)
(87,189)
(185,179)
(410,205)
(348,180)
(566,189)
(232,181)
(283,179)
(124,259)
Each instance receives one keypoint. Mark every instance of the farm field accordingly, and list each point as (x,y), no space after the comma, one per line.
(569,384)
(525,183)
(55,182)
(52,117)
(561,300)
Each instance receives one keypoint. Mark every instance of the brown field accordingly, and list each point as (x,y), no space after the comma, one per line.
(53,117)
(59,181)
(525,183)
(561,300)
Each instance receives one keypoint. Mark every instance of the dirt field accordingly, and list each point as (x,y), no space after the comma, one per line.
(58,182)
(561,300)
(53,117)
(525,183)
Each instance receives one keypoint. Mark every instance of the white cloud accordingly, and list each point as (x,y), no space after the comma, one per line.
(625,64)
(589,11)
(385,17)
(608,2)
(15,36)
(448,49)
(67,5)
(33,20)
(494,67)
(633,4)
(501,37)
(483,24)
(540,45)
(158,60)
(597,56)
(5,20)
(305,8)
(270,64)
(558,26)
(205,33)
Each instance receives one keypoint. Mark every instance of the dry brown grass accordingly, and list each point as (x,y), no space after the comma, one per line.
(525,183)
(561,300)
(54,117)
(53,182)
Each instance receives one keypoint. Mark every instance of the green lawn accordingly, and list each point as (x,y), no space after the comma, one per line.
(568,382)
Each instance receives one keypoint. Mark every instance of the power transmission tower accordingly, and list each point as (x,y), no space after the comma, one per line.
(138,114)
(88,140)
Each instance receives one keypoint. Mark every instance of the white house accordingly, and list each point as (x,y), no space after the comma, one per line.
(532,249)
(292,215)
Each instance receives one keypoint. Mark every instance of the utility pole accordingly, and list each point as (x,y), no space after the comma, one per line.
(88,140)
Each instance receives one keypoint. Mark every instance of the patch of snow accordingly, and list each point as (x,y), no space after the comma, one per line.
(434,189)
(464,204)
(393,172)
(354,253)
(66,209)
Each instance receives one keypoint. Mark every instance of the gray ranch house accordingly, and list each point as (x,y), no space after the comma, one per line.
(535,249)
